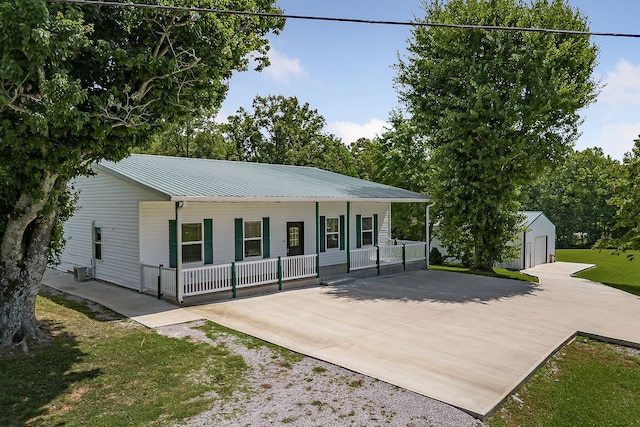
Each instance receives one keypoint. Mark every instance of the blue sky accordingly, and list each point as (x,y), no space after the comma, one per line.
(345,70)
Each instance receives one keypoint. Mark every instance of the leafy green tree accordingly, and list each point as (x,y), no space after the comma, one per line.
(366,157)
(576,197)
(194,138)
(280,130)
(627,200)
(403,162)
(495,108)
(81,83)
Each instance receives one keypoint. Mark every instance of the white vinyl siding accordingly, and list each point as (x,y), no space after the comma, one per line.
(111,204)
(155,216)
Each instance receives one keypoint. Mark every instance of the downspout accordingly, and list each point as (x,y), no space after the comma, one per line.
(179,290)
(426,230)
(348,237)
(317,240)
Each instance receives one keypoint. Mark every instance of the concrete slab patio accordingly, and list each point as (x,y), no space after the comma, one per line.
(465,340)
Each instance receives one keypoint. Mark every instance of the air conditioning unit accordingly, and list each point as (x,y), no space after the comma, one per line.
(80,274)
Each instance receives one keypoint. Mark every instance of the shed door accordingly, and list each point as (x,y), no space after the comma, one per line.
(295,238)
(540,250)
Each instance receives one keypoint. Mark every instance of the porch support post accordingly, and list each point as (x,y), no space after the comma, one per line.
(317,240)
(378,258)
(179,287)
(427,245)
(160,281)
(279,273)
(234,279)
(348,237)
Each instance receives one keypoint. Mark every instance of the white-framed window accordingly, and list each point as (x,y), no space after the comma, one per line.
(191,242)
(332,233)
(367,231)
(252,239)
(97,242)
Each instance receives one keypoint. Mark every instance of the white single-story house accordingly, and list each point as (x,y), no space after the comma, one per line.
(189,227)
(537,244)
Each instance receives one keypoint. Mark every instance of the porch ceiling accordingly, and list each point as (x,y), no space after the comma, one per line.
(178,178)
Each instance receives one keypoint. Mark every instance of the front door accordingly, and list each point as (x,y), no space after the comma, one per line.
(295,238)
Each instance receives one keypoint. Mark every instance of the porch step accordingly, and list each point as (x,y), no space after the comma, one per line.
(338,281)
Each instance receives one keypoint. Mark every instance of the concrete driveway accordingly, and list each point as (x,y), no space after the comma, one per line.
(465,340)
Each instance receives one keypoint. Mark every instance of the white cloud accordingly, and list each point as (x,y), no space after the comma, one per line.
(618,138)
(622,86)
(350,131)
(221,117)
(283,68)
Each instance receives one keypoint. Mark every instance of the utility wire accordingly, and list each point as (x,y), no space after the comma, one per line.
(347,20)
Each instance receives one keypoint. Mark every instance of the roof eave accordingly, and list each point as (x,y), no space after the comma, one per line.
(296,199)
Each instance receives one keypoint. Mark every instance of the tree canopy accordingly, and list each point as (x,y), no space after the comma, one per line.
(280,130)
(627,201)
(495,108)
(576,197)
(81,83)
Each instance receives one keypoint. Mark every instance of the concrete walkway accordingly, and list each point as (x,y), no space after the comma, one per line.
(465,340)
(144,309)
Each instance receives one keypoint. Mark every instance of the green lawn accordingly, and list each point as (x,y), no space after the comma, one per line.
(588,383)
(618,271)
(100,369)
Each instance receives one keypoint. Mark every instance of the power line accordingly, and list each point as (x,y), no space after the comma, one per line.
(345,20)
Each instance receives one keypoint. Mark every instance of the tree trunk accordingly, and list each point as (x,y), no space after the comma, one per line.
(24,253)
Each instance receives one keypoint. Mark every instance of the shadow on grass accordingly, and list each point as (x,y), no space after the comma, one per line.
(31,381)
(635,290)
(91,309)
(436,286)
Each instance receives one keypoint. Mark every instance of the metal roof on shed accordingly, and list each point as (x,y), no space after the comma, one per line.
(181,178)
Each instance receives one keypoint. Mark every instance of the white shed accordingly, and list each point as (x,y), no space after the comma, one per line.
(205,226)
(537,244)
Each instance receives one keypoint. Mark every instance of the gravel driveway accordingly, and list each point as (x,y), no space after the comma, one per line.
(315,393)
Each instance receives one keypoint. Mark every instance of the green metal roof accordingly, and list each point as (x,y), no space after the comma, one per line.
(181,178)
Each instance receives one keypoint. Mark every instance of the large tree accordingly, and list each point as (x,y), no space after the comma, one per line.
(80,83)
(627,201)
(281,130)
(576,197)
(496,107)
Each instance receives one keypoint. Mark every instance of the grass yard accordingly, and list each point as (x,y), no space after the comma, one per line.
(587,383)
(497,272)
(614,270)
(100,369)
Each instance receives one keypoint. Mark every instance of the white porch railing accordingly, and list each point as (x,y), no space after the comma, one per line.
(363,258)
(158,279)
(298,267)
(225,277)
(378,256)
(254,273)
(210,278)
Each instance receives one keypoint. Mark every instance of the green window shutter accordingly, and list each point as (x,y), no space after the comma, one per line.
(342,232)
(239,237)
(323,234)
(266,240)
(358,231)
(208,241)
(375,229)
(173,243)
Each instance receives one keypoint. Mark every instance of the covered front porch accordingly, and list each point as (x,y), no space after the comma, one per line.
(246,277)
